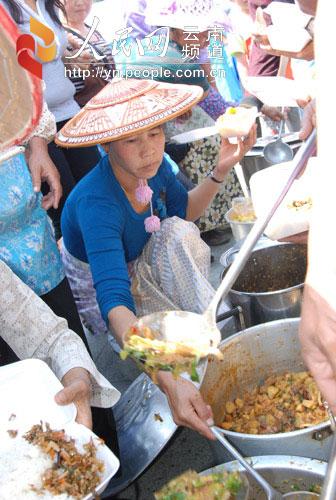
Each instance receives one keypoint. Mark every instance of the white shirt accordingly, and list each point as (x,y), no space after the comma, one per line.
(32,330)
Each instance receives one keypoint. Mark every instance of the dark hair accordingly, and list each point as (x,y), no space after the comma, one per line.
(51,6)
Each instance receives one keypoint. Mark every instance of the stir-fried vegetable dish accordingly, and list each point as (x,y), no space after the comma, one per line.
(76,474)
(154,355)
(191,486)
(283,403)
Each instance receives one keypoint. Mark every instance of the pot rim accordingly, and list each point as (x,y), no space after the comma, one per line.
(263,294)
(269,244)
(278,435)
(237,222)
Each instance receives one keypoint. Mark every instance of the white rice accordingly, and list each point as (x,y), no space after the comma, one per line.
(22,465)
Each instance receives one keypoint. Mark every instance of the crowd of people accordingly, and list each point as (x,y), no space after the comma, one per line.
(102,220)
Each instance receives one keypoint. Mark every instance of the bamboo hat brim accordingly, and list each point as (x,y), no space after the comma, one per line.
(126,107)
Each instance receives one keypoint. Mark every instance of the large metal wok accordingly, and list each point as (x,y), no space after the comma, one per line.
(249,357)
(285,473)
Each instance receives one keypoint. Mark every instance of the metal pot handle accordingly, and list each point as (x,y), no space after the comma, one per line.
(225,257)
(235,311)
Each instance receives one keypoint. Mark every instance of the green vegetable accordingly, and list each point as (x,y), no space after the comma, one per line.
(233,484)
(315,488)
(123,354)
(193,372)
(175,496)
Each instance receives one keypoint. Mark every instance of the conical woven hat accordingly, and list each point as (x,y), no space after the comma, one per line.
(125,107)
(20,92)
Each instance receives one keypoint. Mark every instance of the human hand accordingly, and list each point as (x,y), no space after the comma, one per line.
(260,38)
(186,404)
(185,117)
(308,121)
(300,238)
(273,113)
(42,169)
(83,61)
(306,54)
(77,390)
(231,154)
(317,333)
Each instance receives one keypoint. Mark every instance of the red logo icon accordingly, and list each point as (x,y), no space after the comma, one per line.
(26,45)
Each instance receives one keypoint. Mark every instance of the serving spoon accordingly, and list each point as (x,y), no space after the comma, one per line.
(200,330)
(278,151)
(271,493)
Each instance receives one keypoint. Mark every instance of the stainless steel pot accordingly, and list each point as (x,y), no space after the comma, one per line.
(239,229)
(249,357)
(268,266)
(284,473)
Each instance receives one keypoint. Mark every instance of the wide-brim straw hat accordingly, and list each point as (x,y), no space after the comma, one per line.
(126,107)
(20,91)
(183,14)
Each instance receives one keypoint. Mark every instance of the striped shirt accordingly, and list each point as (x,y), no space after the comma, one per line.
(102,47)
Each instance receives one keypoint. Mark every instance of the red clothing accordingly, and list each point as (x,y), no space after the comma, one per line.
(260,63)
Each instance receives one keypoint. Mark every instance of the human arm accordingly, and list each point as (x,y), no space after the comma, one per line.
(271,112)
(32,330)
(81,62)
(318,318)
(308,122)
(307,53)
(201,196)
(185,401)
(260,38)
(120,319)
(182,395)
(42,169)
(41,166)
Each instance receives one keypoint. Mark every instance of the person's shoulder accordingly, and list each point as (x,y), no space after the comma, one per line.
(95,184)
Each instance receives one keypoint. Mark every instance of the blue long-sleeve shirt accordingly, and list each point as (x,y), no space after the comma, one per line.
(100,227)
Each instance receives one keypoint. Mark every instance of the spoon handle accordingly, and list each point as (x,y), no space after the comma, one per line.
(271,493)
(281,124)
(299,162)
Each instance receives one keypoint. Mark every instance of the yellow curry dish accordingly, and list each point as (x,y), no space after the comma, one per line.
(283,403)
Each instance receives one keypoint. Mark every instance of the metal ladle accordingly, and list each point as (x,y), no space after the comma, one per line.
(272,494)
(200,330)
(278,151)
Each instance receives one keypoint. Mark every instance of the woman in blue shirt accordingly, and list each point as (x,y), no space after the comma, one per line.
(108,218)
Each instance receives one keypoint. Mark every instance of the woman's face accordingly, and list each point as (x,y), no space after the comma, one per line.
(139,155)
(77,10)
